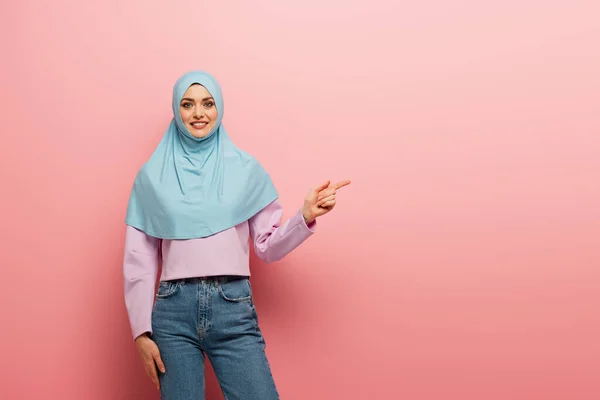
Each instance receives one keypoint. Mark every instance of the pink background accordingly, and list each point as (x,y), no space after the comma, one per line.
(462,262)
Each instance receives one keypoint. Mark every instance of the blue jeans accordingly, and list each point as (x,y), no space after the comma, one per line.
(216,317)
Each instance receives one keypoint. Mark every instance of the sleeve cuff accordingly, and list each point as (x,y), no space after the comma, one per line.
(141,331)
(312,227)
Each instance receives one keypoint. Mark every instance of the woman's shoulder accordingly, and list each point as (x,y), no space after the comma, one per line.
(272,209)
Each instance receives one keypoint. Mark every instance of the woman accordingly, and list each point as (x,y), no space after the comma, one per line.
(193,206)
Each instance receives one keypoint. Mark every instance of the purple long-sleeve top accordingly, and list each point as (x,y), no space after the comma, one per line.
(225,253)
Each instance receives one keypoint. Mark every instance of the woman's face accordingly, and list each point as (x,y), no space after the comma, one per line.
(198,111)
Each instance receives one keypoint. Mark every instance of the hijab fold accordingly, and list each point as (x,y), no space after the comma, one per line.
(196,187)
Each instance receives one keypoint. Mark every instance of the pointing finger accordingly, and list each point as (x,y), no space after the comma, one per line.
(341,184)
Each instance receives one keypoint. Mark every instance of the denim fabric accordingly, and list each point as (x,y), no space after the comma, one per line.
(213,317)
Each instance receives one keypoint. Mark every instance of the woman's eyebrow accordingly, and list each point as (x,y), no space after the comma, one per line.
(204,99)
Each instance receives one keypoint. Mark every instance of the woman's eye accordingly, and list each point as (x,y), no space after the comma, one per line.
(187,105)
(209,104)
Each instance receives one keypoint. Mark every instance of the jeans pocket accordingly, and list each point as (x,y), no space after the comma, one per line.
(237,290)
(167,289)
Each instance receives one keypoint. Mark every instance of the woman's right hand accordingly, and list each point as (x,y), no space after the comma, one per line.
(150,356)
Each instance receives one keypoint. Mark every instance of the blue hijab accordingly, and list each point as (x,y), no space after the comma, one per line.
(196,187)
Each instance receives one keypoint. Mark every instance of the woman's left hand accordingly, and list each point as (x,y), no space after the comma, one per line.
(320,200)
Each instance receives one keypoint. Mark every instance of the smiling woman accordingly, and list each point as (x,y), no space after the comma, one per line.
(198,111)
(203,226)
